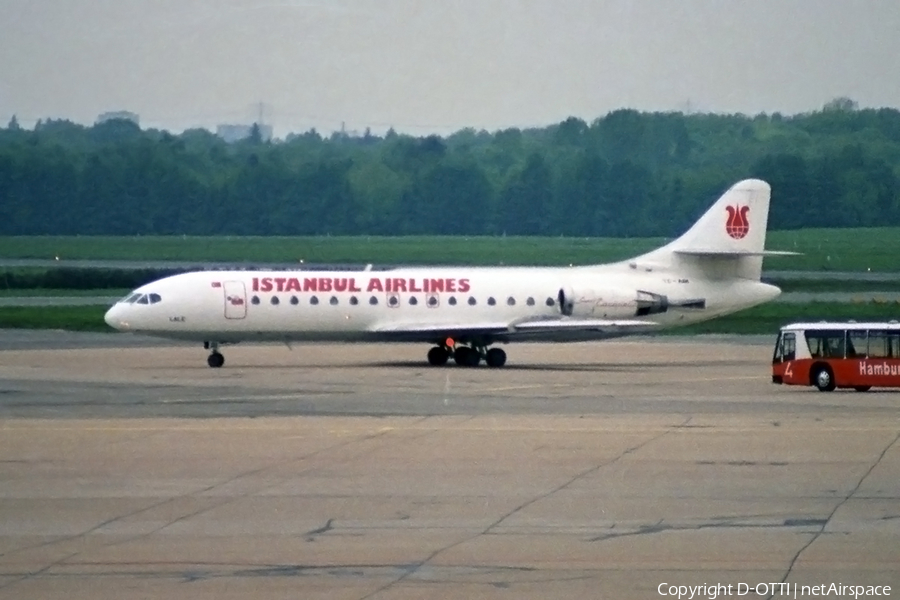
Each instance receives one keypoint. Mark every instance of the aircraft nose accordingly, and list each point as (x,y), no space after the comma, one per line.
(113,318)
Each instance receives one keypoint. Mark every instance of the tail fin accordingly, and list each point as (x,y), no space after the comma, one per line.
(735,224)
(729,239)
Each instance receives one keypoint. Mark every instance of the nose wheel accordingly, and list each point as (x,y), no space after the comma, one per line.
(215,360)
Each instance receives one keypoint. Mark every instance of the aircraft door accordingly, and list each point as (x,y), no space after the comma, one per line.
(235,300)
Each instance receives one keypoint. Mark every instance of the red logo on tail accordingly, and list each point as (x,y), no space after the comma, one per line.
(737,224)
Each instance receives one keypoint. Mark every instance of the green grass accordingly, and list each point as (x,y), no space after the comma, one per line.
(359,250)
(40,292)
(70,318)
(769,318)
(836,285)
(765,319)
(823,249)
(852,249)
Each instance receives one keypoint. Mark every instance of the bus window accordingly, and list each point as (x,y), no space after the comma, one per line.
(878,344)
(825,343)
(856,343)
(785,347)
(789,347)
(884,344)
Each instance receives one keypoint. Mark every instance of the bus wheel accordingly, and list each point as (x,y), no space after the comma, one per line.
(823,378)
(862,388)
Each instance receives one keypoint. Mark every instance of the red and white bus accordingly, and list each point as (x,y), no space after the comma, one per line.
(838,355)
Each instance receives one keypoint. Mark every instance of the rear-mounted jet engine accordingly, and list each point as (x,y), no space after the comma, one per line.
(610,304)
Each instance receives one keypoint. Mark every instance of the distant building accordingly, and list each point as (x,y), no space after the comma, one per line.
(123,115)
(235,133)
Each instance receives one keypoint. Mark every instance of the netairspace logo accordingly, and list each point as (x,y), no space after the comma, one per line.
(771,589)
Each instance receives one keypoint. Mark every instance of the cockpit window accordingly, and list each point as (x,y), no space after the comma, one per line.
(154,298)
(130,298)
(143,299)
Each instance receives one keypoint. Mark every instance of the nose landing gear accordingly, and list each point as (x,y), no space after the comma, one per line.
(215,358)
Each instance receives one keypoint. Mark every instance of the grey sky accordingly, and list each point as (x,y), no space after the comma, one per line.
(438,65)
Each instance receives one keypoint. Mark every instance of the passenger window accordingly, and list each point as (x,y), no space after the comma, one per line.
(373,300)
(254,300)
(274,300)
(825,344)
(294,300)
(452,301)
(472,301)
(354,300)
(511,301)
(491,301)
(413,301)
(333,301)
(313,300)
(857,344)
(530,301)
(143,300)
(834,346)
(883,344)
(154,298)
(432,301)
(550,301)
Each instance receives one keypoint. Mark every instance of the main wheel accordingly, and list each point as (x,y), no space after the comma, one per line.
(466,357)
(495,357)
(438,356)
(215,360)
(823,378)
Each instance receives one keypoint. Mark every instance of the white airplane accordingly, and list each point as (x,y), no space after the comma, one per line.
(712,270)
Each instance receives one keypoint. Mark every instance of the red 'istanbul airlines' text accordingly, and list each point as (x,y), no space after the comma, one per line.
(349,284)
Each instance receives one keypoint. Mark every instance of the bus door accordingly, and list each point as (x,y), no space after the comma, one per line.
(785,352)
(235,300)
(785,347)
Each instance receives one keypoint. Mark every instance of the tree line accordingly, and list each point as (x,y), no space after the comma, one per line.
(627,173)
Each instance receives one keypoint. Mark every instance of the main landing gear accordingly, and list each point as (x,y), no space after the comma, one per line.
(467,356)
(215,358)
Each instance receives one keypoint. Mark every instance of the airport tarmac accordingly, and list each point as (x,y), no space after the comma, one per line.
(129,469)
